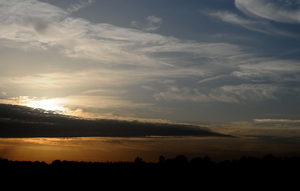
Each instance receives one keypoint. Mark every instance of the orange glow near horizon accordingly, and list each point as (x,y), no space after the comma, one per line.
(102,149)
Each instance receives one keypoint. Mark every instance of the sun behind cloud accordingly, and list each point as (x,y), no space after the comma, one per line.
(43,103)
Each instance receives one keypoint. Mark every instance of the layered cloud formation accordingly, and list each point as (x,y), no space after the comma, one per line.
(139,71)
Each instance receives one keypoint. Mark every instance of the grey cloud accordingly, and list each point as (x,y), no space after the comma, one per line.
(228,93)
(15,10)
(278,70)
(154,19)
(182,94)
(167,81)
(278,65)
(40,26)
(254,92)
(18,121)
(153,24)
(213,78)
(104,43)
(148,88)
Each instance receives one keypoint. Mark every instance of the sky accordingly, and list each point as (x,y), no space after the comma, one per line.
(219,78)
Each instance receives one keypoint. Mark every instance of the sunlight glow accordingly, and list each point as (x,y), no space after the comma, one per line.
(45,104)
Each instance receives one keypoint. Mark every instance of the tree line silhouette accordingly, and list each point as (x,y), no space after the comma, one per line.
(199,171)
(268,162)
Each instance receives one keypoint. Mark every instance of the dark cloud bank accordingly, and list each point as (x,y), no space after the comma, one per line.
(20,122)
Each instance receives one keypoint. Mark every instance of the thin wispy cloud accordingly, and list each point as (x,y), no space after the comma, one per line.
(279,11)
(153,23)
(81,4)
(250,24)
(77,38)
(275,121)
(231,94)
(213,78)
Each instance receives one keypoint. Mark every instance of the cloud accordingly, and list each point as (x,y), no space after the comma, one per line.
(97,63)
(111,102)
(182,94)
(253,92)
(278,65)
(102,78)
(277,130)
(227,93)
(154,19)
(276,70)
(63,79)
(250,24)
(275,121)
(148,88)
(15,10)
(259,13)
(27,122)
(103,43)
(153,24)
(167,81)
(201,49)
(74,105)
(275,10)
(213,78)
(81,4)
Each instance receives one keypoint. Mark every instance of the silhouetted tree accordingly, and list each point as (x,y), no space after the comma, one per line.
(207,159)
(138,160)
(196,160)
(180,159)
(161,159)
